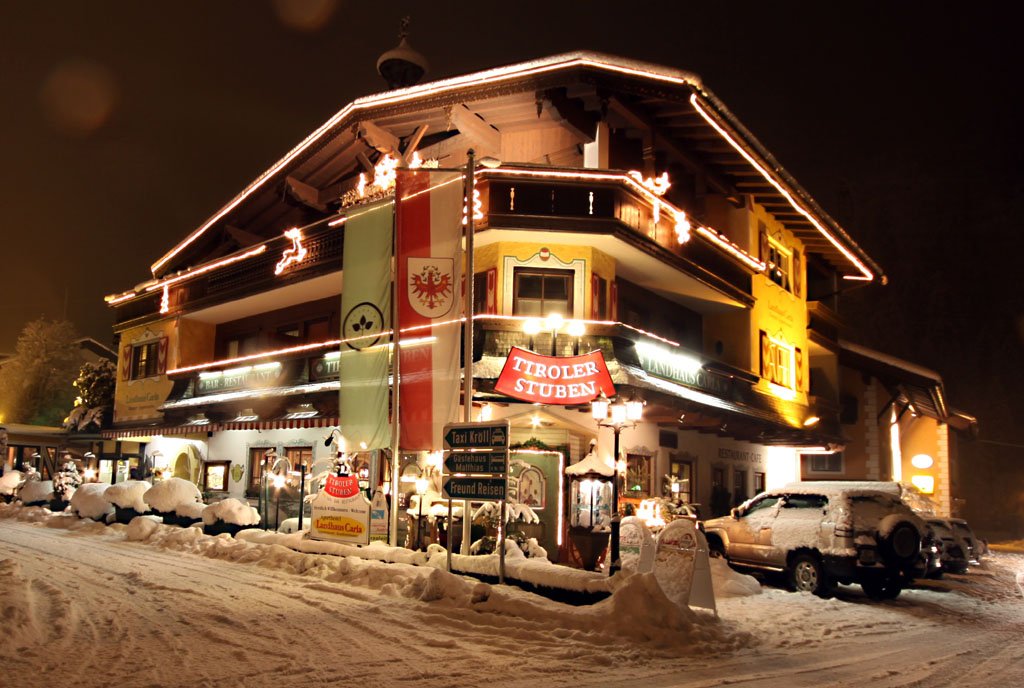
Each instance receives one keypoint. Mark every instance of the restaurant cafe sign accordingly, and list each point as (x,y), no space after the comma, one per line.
(559,380)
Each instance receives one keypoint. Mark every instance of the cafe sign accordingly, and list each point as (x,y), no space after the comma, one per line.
(560,380)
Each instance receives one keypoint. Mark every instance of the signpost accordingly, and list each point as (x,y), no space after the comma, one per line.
(476,468)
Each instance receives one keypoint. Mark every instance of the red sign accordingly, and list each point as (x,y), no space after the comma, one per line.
(563,380)
(343,486)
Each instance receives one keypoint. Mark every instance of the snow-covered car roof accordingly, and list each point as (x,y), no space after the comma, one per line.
(837,487)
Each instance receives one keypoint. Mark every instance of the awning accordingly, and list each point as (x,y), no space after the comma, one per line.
(190,429)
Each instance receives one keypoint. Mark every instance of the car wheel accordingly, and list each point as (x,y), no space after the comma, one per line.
(807,575)
(715,548)
(885,588)
(903,544)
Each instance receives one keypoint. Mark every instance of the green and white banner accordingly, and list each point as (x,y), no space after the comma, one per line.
(365,316)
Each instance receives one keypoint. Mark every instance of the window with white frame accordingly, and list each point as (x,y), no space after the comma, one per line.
(825,463)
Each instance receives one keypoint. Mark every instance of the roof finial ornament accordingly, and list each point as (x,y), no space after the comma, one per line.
(402,66)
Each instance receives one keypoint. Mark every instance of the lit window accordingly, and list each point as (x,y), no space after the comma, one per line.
(543,292)
(780,264)
(144,360)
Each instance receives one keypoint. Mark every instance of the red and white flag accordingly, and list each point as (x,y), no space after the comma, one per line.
(429,232)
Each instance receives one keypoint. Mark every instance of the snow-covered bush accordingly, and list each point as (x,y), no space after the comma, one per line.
(66,481)
(89,502)
(10,481)
(36,492)
(192,511)
(128,495)
(167,495)
(232,511)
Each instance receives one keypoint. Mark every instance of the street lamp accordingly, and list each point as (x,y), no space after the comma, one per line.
(555,323)
(616,415)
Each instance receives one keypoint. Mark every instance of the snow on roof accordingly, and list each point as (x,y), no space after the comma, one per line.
(890,360)
(591,463)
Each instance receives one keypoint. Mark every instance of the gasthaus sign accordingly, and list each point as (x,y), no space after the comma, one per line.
(563,380)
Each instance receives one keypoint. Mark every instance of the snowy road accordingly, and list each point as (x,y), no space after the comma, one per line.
(82,605)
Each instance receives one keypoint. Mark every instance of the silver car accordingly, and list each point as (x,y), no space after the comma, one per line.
(824,533)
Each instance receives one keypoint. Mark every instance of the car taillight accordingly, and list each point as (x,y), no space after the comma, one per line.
(844,530)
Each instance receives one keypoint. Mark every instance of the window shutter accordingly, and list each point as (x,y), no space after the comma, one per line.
(762,236)
(798,280)
(161,359)
(595,297)
(126,362)
(614,301)
(799,369)
(492,297)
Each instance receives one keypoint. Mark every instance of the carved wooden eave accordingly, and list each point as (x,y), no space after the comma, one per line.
(545,110)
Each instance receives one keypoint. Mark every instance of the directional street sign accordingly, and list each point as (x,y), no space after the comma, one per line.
(476,489)
(476,435)
(476,462)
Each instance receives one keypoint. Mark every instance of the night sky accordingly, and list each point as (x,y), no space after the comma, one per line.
(126,124)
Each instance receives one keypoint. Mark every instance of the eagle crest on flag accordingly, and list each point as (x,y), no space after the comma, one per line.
(431,286)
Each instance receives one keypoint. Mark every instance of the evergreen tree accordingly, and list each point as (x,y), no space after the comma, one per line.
(95,385)
(35,385)
(66,481)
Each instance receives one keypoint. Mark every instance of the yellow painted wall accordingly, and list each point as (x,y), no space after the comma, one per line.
(493,256)
(780,313)
(138,400)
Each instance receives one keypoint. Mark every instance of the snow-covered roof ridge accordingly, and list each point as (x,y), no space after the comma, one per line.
(890,360)
(591,463)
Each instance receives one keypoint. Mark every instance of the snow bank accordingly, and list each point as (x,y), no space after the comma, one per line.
(231,510)
(129,495)
(9,481)
(89,501)
(36,491)
(730,583)
(168,494)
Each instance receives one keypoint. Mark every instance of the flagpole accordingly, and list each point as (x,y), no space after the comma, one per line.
(395,358)
(467,346)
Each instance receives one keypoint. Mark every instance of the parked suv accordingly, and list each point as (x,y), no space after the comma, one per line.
(824,533)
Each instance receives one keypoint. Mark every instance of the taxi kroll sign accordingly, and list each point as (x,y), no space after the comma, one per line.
(560,380)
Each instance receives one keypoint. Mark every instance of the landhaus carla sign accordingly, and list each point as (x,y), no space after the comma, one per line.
(563,380)
(341,512)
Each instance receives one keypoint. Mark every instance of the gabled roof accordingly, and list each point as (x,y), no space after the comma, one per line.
(920,388)
(683,118)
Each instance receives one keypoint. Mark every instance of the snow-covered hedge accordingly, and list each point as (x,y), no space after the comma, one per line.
(36,491)
(193,510)
(232,511)
(89,502)
(167,495)
(128,495)
(9,481)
